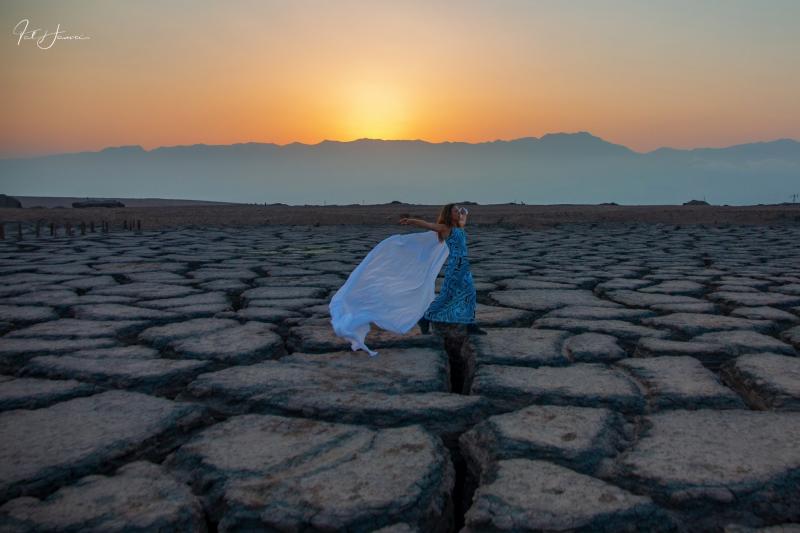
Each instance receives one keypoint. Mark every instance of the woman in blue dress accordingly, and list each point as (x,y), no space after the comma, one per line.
(456,301)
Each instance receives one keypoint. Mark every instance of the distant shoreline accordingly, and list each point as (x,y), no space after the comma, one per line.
(177,213)
(66,201)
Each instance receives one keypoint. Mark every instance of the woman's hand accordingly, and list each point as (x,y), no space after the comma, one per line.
(404,221)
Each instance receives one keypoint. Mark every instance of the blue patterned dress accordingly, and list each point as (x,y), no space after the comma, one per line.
(455,302)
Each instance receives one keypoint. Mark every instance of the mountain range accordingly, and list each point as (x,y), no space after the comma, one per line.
(555,168)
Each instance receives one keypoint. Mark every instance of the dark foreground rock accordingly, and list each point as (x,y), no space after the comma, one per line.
(14,352)
(699,323)
(261,472)
(711,353)
(394,371)
(66,328)
(621,369)
(792,336)
(707,462)
(680,382)
(548,299)
(239,344)
(577,437)
(582,384)
(175,331)
(442,413)
(617,328)
(50,446)
(396,388)
(525,495)
(32,393)
(767,381)
(144,375)
(593,348)
(140,496)
(495,316)
(743,341)
(519,347)
(24,314)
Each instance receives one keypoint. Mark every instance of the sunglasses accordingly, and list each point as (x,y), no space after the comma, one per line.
(463,210)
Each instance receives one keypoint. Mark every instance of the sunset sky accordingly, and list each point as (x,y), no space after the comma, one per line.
(646,74)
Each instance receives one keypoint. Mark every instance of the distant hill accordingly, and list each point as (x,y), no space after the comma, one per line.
(62,201)
(555,168)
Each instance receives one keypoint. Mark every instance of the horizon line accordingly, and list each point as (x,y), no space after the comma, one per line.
(528,137)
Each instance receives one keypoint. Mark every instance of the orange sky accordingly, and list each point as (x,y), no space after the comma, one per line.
(644,74)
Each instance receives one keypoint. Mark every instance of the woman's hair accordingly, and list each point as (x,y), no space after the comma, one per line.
(445,217)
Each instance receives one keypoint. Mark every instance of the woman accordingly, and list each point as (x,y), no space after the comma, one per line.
(456,301)
(394,285)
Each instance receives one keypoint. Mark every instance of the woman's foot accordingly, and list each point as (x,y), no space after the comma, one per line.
(474,329)
(424,325)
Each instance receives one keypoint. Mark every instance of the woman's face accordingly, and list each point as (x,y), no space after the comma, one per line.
(459,214)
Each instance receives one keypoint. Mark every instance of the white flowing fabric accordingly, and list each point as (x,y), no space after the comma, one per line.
(392,287)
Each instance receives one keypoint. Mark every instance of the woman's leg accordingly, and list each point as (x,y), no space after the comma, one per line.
(424,325)
(474,329)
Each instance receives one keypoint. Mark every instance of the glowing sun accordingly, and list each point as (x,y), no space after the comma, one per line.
(376,111)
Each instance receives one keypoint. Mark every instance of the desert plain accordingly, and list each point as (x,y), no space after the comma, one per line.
(640,371)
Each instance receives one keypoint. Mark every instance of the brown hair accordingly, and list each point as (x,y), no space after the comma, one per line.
(445,217)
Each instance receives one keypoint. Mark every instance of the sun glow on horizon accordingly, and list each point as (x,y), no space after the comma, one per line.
(375,110)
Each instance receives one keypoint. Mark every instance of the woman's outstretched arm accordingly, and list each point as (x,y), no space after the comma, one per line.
(423,224)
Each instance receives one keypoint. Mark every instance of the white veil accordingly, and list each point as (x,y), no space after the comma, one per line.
(392,287)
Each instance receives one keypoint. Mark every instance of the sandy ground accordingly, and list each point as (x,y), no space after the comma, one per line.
(506,215)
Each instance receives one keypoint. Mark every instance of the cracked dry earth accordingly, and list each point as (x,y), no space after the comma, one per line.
(634,377)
